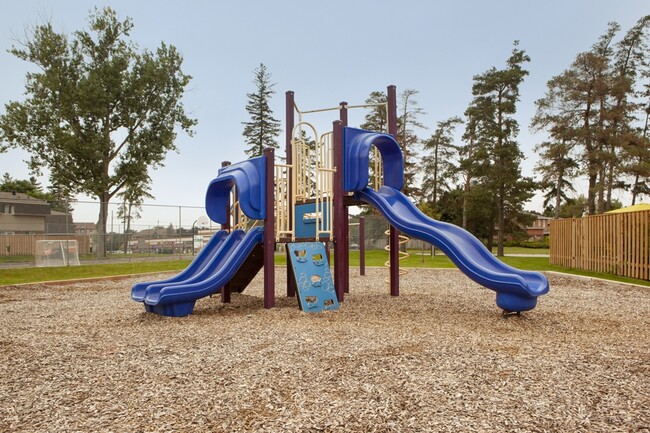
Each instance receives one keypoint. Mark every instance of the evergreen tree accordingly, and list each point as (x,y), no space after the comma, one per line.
(594,105)
(377,118)
(496,93)
(263,129)
(438,162)
(558,168)
(409,112)
(407,121)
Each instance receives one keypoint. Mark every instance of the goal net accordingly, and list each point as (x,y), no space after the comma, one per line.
(57,253)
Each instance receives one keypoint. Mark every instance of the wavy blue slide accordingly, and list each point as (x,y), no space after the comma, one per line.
(177,298)
(516,290)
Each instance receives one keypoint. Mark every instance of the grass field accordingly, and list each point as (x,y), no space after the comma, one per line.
(374,258)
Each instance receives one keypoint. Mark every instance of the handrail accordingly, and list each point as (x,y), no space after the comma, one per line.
(324,185)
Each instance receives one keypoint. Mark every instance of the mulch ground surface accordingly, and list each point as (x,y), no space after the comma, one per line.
(83,357)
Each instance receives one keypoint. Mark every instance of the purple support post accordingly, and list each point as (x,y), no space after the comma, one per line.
(269,230)
(225,290)
(393,240)
(362,246)
(343,116)
(290,121)
(339,213)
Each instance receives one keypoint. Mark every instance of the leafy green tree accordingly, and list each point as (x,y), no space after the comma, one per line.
(496,93)
(57,197)
(30,187)
(263,129)
(99,111)
(132,196)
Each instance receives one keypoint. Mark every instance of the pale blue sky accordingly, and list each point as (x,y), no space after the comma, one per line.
(325,51)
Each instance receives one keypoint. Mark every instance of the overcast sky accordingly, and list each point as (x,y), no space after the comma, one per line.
(327,52)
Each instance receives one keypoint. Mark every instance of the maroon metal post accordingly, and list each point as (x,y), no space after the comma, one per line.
(225,290)
(393,240)
(362,246)
(339,213)
(269,230)
(290,121)
(343,116)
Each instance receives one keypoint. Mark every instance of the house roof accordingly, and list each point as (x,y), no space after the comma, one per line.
(19,197)
(636,208)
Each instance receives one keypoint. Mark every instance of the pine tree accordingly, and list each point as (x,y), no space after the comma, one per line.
(496,93)
(558,168)
(376,118)
(437,164)
(593,104)
(263,129)
(409,112)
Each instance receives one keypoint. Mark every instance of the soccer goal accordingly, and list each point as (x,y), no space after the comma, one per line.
(57,253)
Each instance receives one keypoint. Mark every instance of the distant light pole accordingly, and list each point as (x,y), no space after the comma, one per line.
(193,236)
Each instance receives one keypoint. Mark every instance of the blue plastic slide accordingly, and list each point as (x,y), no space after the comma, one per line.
(177,298)
(198,264)
(516,290)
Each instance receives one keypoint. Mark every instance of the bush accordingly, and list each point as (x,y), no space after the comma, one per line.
(528,244)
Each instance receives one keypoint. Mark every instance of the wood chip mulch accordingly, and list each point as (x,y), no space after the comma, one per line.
(83,357)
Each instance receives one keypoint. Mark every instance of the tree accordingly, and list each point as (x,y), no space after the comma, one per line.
(437,164)
(100,112)
(377,117)
(558,168)
(132,196)
(636,157)
(407,120)
(496,93)
(30,187)
(57,197)
(408,113)
(593,105)
(376,120)
(263,129)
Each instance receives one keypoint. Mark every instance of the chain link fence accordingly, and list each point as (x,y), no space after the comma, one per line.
(150,230)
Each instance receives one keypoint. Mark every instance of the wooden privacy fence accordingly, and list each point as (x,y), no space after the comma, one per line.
(25,245)
(617,243)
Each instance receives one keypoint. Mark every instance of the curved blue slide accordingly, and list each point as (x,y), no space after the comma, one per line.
(177,298)
(516,290)
(223,257)
(198,264)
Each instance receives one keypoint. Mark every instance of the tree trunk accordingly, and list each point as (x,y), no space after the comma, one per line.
(592,160)
(490,239)
(465,202)
(501,222)
(101,225)
(558,194)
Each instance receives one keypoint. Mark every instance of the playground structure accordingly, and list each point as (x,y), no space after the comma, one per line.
(260,203)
